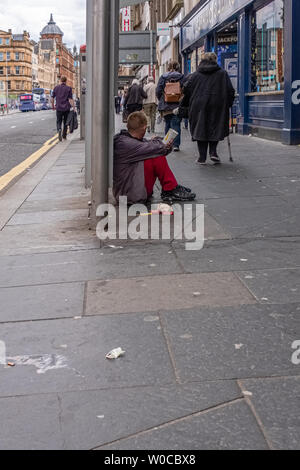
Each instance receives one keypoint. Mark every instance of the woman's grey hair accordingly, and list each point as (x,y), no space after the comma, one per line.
(209,57)
(135,82)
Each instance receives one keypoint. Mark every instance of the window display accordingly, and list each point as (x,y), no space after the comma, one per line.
(267,48)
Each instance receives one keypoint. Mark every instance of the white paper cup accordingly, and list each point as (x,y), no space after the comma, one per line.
(170,137)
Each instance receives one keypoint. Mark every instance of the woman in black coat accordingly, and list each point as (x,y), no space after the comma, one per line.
(134,99)
(208,95)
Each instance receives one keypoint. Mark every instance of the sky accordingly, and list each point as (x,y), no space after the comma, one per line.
(33,15)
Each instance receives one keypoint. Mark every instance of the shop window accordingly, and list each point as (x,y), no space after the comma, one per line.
(268,48)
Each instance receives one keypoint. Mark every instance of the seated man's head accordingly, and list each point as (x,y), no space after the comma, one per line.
(137,124)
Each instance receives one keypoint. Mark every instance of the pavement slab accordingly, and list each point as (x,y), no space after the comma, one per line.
(70,354)
(41,302)
(274,285)
(230,343)
(48,217)
(231,427)
(60,236)
(128,411)
(288,226)
(30,423)
(277,404)
(165,293)
(240,255)
(73,266)
(65,203)
(258,219)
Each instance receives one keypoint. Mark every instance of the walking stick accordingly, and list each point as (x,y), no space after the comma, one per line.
(228,139)
(229,149)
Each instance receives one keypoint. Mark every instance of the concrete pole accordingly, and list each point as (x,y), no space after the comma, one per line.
(100,109)
(114,68)
(89,93)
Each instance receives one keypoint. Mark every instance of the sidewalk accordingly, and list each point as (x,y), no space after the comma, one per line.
(206,371)
(15,111)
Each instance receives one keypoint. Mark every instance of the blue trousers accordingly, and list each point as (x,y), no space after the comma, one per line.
(174,122)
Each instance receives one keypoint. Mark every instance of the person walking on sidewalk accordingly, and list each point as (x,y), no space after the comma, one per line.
(150,104)
(209,95)
(134,98)
(138,162)
(168,103)
(64,104)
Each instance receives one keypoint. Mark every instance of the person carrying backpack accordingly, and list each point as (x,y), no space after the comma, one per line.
(169,94)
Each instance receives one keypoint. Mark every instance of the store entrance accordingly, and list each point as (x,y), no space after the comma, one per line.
(227,51)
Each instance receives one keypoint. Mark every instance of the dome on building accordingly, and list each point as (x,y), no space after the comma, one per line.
(52,28)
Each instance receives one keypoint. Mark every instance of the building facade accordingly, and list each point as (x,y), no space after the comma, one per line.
(258,43)
(35,66)
(64,57)
(47,71)
(16,52)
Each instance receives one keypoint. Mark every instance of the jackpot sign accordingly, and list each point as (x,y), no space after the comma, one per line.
(212,14)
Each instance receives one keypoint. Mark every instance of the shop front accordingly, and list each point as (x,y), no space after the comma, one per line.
(258,43)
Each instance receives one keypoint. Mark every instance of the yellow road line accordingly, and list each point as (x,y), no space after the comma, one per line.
(6,179)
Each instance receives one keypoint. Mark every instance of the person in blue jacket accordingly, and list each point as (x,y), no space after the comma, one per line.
(166,109)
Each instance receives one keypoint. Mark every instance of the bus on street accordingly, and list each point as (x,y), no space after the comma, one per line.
(29,102)
(44,98)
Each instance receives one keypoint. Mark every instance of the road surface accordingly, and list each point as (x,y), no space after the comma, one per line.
(21,134)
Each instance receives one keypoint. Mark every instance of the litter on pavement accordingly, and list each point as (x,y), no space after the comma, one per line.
(115,354)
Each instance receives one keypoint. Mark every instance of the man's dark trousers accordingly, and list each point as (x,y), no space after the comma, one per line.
(61,117)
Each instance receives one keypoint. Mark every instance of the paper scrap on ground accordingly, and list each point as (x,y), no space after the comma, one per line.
(2,353)
(115,354)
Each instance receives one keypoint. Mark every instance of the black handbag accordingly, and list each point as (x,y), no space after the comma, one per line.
(183,112)
(125,116)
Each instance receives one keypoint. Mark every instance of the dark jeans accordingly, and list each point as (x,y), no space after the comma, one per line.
(61,117)
(203,147)
(132,108)
(174,122)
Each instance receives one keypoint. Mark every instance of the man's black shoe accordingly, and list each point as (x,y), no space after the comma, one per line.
(215,159)
(186,189)
(60,136)
(178,194)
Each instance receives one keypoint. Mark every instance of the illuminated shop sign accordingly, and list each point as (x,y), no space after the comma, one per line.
(211,15)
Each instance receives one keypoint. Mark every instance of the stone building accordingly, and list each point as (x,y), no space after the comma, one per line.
(35,65)
(47,73)
(147,15)
(15,65)
(64,57)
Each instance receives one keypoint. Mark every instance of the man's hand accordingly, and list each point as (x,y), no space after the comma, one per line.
(176,112)
(170,145)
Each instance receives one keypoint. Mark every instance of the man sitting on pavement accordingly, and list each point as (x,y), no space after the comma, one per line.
(138,162)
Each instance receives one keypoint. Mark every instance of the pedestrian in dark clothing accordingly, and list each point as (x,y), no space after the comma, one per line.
(209,95)
(78,106)
(138,162)
(166,108)
(118,104)
(64,103)
(134,98)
